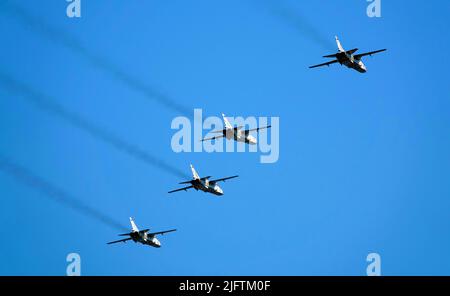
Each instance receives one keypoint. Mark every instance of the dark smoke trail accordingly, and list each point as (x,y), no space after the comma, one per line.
(281,10)
(54,108)
(56,194)
(99,62)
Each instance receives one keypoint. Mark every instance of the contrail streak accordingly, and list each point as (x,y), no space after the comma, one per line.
(45,103)
(97,61)
(56,194)
(281,10)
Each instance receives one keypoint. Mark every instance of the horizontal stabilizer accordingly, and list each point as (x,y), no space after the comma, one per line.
(190,182)
(130,233)
(352,51)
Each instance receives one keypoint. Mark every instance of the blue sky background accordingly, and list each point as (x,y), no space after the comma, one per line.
(364,159)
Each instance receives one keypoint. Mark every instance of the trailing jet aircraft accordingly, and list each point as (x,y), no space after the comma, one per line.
(142,236)
(348,58)
(204,184)
(236,133)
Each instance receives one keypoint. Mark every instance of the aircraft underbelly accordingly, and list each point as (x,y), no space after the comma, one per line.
(212,190)
(150,243)
(348,64)
(360,70)
(354,66)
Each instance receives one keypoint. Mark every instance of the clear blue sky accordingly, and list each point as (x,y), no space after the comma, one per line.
(364,158)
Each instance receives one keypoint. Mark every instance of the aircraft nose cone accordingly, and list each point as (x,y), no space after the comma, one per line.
(363,68)
(252,140)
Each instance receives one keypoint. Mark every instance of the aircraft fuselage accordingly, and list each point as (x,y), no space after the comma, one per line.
(206,186)
(349,61)
(239,136)
(145,239)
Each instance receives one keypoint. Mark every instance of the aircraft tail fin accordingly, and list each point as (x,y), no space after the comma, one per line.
(133,225)
(227,123)
(339,45)
(194,173)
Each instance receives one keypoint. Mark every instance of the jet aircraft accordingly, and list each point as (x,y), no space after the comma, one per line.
(142,236)
(236,133)
(204,184)
(348,58)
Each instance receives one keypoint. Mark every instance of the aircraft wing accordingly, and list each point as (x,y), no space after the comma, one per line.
(162,232)
(223,179)
(324,64)
(181,189)
(119,241)
(212,138)
(257,129)
(358,56)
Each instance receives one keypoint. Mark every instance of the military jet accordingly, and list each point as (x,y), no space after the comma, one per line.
(142,236)
(236,133)
(204,184)
(348,58)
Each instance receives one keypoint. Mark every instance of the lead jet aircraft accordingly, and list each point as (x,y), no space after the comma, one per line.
(142,236)
(348,58)
(236,133)
(204,184)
